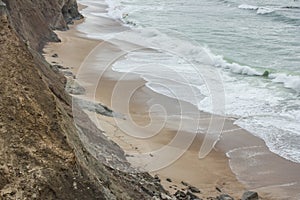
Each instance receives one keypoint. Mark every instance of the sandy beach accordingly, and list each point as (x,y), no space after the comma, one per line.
(213,174)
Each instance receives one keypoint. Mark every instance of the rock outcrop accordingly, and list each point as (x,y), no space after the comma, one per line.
(34,20)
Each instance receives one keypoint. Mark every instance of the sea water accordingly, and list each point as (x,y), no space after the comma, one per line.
(253,45)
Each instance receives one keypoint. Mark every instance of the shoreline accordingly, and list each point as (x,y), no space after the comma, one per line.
(72,51)
(207,182)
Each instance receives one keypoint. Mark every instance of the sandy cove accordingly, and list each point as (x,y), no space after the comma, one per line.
(206,174)
(211,175)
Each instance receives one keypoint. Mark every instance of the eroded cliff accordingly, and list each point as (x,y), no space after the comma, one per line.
(41,152)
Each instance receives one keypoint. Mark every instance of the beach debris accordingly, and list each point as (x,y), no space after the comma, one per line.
(225,197)
(250,195)
(54,55)
(169,180)
(194,189)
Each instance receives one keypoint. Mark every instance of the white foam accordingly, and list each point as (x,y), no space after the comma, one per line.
(289,81)
(218,61)
(280,133)
(193,52)
(115,10)
(264,10)
(247,7)
(259,10)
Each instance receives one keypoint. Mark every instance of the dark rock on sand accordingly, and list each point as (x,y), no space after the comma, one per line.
(212,198)
(60,66)
(157,178)
(169,180)
(250,195)
(184,183)
(191,195)
(225,197)
(218,189)
(54,55)
(194,189)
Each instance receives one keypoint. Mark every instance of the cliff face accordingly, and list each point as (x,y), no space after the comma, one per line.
(41,154)
(35,19)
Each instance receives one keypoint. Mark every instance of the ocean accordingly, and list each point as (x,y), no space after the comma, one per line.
(253,46)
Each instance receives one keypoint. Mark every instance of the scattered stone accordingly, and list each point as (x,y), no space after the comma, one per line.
(146,190)
(60,67)
(163,196)
(211,198)
(75,185)
(2,4)
(157,178)
(225,197)
(55,55)
(191,195)
(54,68)
(194,189)
(74,88)
(180,195)
(129,156)
(184,183)
(155,198)
(96,107)
(250,195)
(67,73)
(169,180)
(218,189)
